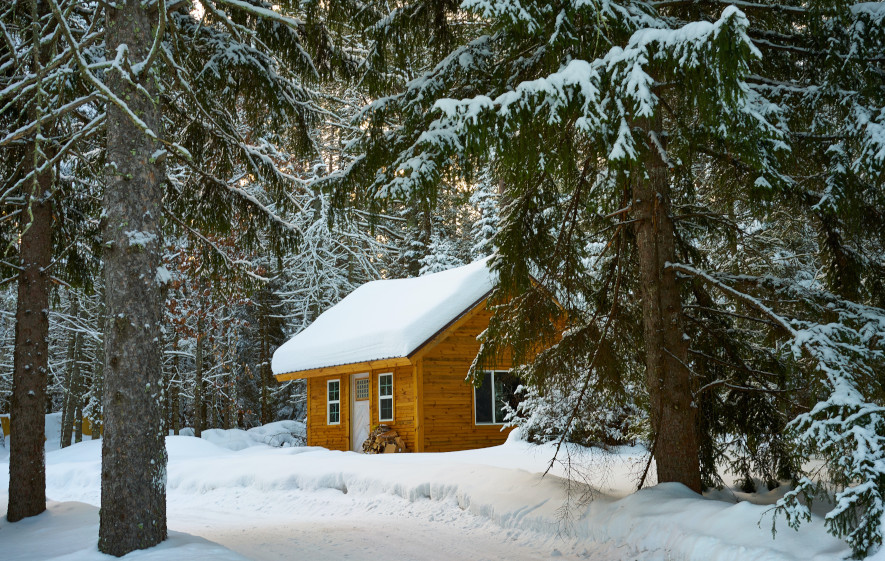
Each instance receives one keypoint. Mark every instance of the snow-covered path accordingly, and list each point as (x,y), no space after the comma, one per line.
(228,495)
(329,525)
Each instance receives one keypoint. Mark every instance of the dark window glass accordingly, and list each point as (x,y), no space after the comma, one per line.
(385,397)
(334,400)
(505,392)
(482,396)
(386,409)
(385,383)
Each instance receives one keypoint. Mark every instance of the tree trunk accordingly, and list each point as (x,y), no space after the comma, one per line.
(65,432)
(231,398)
(199,410)
(30,371)
(166,404)
(73,392)
(27,433)
(78,427)
(133,477)
(673,415)
(174,393)
(98,384)
(265,416)
(77,390)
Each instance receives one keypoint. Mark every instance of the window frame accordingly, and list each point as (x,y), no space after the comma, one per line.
(381,398)
(330,402)
(491,379)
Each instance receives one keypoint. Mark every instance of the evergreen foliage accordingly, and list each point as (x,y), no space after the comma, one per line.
(309,147)
(768,128)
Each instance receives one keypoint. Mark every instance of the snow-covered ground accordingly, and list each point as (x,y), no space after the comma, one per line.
(230,496)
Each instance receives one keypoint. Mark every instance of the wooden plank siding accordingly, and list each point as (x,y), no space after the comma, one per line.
(404,399)
(337,437)
(448,418)
(433,407)
(319,432)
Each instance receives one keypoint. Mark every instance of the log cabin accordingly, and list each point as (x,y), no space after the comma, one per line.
(397,352)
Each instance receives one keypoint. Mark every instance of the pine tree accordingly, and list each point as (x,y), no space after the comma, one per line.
(252,50)
(571,117)
(31,352)
(133,505)
(485,228)
(43,123)
(646,152)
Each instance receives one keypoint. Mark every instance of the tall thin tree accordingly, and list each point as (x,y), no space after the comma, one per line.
(27,469)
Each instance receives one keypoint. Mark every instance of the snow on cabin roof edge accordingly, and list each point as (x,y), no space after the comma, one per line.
(385,319)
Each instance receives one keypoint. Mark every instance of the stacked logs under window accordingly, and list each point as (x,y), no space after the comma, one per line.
(383,440)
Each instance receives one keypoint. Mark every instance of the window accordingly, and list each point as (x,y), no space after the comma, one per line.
(497,388)
(385,397)
(362,389)
(333,409)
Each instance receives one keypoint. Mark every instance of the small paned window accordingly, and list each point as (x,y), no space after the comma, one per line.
(385,397)
(362,389)
(496,389)
(334,402)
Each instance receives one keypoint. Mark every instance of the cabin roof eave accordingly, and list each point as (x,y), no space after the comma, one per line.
(410,359)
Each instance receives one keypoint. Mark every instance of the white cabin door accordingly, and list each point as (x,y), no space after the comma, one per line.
(359,430)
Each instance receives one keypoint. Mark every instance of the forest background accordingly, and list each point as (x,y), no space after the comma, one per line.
(698,186)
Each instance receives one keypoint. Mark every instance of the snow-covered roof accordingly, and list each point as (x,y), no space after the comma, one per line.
(385,319)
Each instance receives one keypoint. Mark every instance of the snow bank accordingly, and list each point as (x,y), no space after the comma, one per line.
(217,487)
(385,319)
(668,519)
(280,433)
(232,439)
(69,532)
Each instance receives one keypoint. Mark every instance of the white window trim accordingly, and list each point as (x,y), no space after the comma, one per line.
(484,424)
(329,402)
(390,397)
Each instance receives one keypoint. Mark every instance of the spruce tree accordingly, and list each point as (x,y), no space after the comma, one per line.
(40,124)
(647,152)
(575,126)
(133,506)
(190,169)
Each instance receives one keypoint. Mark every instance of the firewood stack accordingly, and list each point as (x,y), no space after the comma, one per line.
(383,440)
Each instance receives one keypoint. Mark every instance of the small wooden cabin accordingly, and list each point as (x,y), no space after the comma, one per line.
(397,352)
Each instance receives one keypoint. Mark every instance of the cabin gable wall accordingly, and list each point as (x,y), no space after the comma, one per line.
(447,404)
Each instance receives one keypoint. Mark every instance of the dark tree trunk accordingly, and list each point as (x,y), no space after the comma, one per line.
(78,428)
(176,409)
(199,406)
(65,432)
(166,404)
(27,431)
(673,415)
(230,398)
(133,477)
(73,389)
(77,389)
(174,393)
(266,415)
(30,372)
(98,384)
